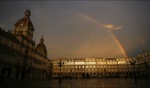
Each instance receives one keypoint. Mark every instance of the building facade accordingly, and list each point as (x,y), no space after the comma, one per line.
(138,67)
(143,61)
(93,67)
(20,57)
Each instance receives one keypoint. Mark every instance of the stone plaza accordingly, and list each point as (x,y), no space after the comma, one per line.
(79,83)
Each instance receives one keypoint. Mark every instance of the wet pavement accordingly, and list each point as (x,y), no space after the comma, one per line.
(78,83)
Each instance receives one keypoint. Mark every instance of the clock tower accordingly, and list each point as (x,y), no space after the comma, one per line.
(23,28)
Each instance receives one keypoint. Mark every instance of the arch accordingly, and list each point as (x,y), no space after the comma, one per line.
(87,75)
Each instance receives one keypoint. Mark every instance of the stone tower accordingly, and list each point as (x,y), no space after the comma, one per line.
(41,48)
(23,28)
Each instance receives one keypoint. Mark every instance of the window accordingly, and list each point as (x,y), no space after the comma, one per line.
(82,66)
(86,66)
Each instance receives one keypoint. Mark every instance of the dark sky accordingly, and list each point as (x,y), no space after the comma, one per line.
(85,28)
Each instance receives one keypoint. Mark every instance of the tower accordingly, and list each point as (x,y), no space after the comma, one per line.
(24,28)
(41,48)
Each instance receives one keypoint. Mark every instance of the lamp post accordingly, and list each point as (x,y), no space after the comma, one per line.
(60,64)
(71,73)
(132,62)
(105,73)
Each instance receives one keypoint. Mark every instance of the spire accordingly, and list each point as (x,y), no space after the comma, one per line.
(27,13)
(41,47)
(42,40)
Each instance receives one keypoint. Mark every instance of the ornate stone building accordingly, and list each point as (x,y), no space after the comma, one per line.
(20,57)
(93,67)
(138,67)
(143,61)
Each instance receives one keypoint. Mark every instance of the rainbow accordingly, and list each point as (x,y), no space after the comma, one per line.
(119,45)
(111,33)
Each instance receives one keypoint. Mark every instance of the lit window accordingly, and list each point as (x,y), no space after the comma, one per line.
(79,66)
(86,66)
(82,66)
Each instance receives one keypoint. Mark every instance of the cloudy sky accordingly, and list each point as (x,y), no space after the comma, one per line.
(84,28)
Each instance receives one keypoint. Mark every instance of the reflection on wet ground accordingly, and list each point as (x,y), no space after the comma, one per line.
(78,83)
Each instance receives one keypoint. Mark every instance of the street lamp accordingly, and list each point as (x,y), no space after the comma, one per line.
(60,64)
(132,62)
(71,73)
(105,73)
